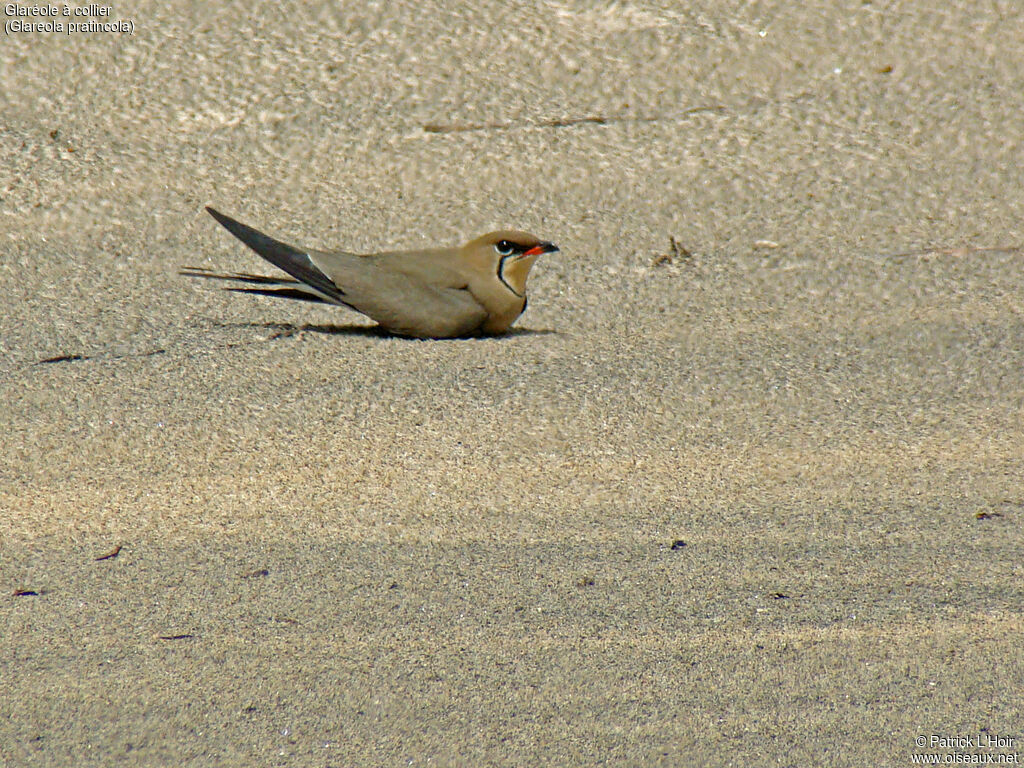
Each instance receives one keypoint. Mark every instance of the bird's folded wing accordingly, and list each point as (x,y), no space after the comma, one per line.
(401,302)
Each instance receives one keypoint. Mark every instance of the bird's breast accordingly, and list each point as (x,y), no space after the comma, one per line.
(500,318)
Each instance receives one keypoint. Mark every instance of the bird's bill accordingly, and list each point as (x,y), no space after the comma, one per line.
(540,248)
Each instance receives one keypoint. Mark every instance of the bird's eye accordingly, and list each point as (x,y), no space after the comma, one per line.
(504,247)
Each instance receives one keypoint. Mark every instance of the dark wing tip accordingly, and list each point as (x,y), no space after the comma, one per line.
(287,257)
(246,234)
(219,216)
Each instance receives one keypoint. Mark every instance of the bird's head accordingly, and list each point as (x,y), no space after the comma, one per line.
(509,255)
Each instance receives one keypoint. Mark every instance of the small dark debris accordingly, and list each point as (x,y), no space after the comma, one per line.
(560,123)
(393,585)
(678,544)
(257,574)
(111,554)
(676,251)
(779,596)
(175,637)
(62,359)
(250,709)
(586,581)
(25,593)
(564,122)
(987,515)
(78,357)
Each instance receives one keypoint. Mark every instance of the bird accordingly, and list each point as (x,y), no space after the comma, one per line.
(433,293)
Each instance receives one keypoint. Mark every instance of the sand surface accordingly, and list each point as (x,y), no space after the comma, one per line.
(340,548)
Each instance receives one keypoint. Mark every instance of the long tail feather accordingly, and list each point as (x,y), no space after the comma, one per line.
(239,277)
(283,293)
(281,287)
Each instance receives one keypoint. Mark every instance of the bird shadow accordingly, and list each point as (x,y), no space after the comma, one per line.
(285,330)
(367,331)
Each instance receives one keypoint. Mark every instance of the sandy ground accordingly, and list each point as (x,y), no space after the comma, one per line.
(340,548)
